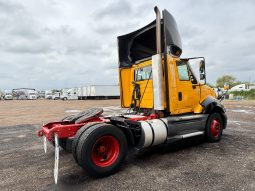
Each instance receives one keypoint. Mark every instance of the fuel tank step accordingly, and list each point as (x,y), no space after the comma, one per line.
(184,136)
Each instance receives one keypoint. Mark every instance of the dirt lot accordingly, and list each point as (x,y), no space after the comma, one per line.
(18,112)
(187,165)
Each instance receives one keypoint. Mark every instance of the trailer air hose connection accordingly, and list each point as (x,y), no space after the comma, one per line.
(135,96)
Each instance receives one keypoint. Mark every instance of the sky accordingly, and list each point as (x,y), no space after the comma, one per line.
(50,44)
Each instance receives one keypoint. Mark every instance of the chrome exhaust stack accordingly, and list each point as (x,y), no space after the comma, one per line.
(157,69)
(158,29)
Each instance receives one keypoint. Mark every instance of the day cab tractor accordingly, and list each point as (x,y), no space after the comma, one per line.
(165,102)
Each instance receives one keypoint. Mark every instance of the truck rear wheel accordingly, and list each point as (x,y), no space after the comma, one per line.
(101,149)
(214,128)
(78,136)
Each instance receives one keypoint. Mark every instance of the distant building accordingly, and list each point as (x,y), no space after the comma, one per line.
(242,87)
(252,87)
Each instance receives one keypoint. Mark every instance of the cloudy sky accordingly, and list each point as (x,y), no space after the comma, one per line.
(60,43)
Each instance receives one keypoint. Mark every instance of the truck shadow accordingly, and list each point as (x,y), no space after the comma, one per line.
(153,158)
(183,144)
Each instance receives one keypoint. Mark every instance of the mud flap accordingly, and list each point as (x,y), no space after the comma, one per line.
(56,158)
(45,144)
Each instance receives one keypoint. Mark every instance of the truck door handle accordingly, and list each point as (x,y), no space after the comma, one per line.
(179,96)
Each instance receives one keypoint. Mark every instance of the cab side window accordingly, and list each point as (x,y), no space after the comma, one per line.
(183,71)
(143,73)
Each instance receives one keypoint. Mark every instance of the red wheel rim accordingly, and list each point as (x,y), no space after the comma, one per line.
(105,151)
(215,127)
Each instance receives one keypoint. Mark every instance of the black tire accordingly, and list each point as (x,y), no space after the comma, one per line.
(77,138)
(64,98)
(88,145)
(62,143)
(214,128)
(67,118)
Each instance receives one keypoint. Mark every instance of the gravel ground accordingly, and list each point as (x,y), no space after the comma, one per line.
(187,165)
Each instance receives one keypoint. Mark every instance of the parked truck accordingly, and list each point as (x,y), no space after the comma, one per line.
(166,102)
(31,94)
(25,93)
(20,95)
(41,94)
(48,94)
(70,94)
(56,95)
(7,95)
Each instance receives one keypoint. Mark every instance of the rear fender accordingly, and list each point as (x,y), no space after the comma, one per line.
(124,127)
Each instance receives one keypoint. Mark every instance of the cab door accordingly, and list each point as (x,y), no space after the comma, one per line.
(187,96)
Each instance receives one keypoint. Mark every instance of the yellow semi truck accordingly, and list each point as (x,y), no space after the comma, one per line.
(164,98)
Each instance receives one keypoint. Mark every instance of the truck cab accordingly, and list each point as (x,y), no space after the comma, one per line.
(48,94)
(31,95)
(70,94)
(167,102)
(170,86)
(7,95)
(56,95)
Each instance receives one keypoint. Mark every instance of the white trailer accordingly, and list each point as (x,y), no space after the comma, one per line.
(82,92)
(101,92)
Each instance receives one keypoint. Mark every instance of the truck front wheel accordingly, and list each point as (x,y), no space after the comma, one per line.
(101,149)
(214,128)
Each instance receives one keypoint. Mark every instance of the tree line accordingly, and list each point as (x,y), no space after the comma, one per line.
(228,79)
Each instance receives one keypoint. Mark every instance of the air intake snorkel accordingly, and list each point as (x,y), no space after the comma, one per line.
(157,70)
